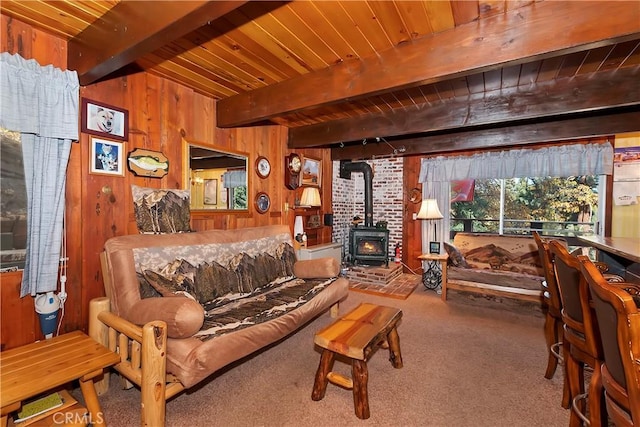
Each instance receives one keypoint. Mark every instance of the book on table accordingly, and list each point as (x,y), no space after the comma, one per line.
(38,406)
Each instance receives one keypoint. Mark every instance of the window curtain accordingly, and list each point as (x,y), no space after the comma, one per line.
(42,104)
(233,179)
(436,173)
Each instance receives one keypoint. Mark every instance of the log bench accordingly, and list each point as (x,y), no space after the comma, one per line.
(357,335)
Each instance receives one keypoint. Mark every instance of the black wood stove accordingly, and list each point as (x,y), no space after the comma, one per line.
(368,245)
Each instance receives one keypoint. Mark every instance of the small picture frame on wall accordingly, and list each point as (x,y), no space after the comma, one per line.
(311,173)
(434,247)
(210,192)
(314,221)
(107,157)
(104,120)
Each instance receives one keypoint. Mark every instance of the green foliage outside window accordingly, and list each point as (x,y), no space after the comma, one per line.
(530,203)
(239,197)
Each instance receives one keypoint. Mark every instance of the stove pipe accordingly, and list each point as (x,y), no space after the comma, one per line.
(346,167)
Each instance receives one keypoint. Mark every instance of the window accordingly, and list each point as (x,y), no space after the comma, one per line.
(238,197)
(555,206)
(13,201)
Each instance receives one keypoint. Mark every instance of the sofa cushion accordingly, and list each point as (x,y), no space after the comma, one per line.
(455,256)
(236,312)
(168,285)
(238,284)
(192,360)
(161,211)
(211,271)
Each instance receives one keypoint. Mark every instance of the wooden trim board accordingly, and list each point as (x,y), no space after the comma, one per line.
(494,290)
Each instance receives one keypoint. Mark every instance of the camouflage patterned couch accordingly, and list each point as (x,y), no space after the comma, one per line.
(223,294)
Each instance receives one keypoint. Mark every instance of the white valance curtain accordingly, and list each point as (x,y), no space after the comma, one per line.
(233,179)
(558,161)
(42,104)
(436,173)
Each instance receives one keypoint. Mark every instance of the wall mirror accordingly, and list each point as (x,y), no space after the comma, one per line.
(217,178)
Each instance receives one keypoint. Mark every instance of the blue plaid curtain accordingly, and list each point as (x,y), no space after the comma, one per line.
(42,104)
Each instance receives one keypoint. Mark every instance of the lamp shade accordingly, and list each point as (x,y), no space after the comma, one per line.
(429,210)
(310,197)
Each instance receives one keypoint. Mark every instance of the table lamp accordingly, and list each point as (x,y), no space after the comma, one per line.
(429,210)
(310,197)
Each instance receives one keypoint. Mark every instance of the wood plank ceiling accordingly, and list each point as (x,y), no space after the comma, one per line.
(425,76)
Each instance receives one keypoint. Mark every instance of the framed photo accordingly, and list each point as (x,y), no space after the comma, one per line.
(107,157)
(311,173)
(434,247)
(314,221)
(210,192)
(104,120)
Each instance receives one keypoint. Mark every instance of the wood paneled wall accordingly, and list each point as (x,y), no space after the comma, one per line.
(161,114)
(411,229)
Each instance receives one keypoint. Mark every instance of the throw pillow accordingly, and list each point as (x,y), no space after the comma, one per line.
(160,211)
(455,256)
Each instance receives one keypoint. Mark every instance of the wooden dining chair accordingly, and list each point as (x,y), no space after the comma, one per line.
(553,326)
(581,339)
(619,325)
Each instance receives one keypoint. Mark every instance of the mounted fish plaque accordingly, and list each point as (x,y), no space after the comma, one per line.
(148,163)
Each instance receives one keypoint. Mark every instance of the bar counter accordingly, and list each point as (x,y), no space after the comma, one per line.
(622,254)
(625,247)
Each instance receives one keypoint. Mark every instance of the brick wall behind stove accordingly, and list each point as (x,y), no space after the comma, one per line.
(348,200)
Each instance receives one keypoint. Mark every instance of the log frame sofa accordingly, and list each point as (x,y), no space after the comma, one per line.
(495,265)
(172,341)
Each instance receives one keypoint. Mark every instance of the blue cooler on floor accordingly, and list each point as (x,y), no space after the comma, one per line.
(47,306)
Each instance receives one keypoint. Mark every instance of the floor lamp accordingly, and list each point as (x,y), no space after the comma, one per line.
(429,210)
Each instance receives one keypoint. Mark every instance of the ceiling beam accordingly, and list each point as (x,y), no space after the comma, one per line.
(132,29)
(598,91)
(512,135)
(540,30)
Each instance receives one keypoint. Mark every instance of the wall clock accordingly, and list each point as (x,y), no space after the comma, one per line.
(292,171)
(263,167)
(262,202)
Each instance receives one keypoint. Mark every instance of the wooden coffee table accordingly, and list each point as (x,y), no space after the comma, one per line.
(32,369)
(357,335)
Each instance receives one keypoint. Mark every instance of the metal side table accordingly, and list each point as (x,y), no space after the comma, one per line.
(434,276)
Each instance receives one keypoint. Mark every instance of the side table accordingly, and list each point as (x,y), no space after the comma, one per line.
(435,275)
(32,369)
(356,336)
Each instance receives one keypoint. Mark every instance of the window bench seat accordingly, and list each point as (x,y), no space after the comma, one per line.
(495,265)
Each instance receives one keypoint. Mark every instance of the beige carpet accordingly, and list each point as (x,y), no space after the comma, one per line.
(469,362)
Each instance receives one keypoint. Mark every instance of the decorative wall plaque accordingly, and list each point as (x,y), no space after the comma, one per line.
(148,163)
